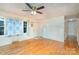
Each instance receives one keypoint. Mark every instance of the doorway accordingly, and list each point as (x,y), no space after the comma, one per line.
(71,35)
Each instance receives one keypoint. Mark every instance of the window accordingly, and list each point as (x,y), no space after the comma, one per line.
(25,27)
(1,27)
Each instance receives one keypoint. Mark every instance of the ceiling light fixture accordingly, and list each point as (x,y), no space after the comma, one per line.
(33,13)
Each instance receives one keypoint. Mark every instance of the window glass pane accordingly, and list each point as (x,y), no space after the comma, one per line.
(24,30)
(1,30)
(1,23)
(25,27)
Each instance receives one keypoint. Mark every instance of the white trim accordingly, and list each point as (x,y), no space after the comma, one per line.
(4,26)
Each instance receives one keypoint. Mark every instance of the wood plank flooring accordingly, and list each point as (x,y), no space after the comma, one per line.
(39,46)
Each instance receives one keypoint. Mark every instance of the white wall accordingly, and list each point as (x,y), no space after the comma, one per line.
(50,28)
(54,28)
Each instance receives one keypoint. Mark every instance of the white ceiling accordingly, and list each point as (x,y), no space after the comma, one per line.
(51,9)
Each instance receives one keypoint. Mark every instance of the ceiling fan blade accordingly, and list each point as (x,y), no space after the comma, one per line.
(39,12)
(29,5)
(40,7)
(26,10)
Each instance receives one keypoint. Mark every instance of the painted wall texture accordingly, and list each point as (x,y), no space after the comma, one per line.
(54,28)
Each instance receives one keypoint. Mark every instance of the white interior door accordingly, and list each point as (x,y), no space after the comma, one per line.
(72,25)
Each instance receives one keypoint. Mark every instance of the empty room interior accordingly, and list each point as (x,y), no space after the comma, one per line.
(39,28)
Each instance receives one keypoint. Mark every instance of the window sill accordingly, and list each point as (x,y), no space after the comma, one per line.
(2,36)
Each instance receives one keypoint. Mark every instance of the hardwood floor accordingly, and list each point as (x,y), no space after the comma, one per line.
(40,46)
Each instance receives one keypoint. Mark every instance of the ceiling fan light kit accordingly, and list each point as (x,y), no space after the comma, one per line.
(33,13)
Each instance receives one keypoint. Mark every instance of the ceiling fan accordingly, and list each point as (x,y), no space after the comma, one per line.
(34,10)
